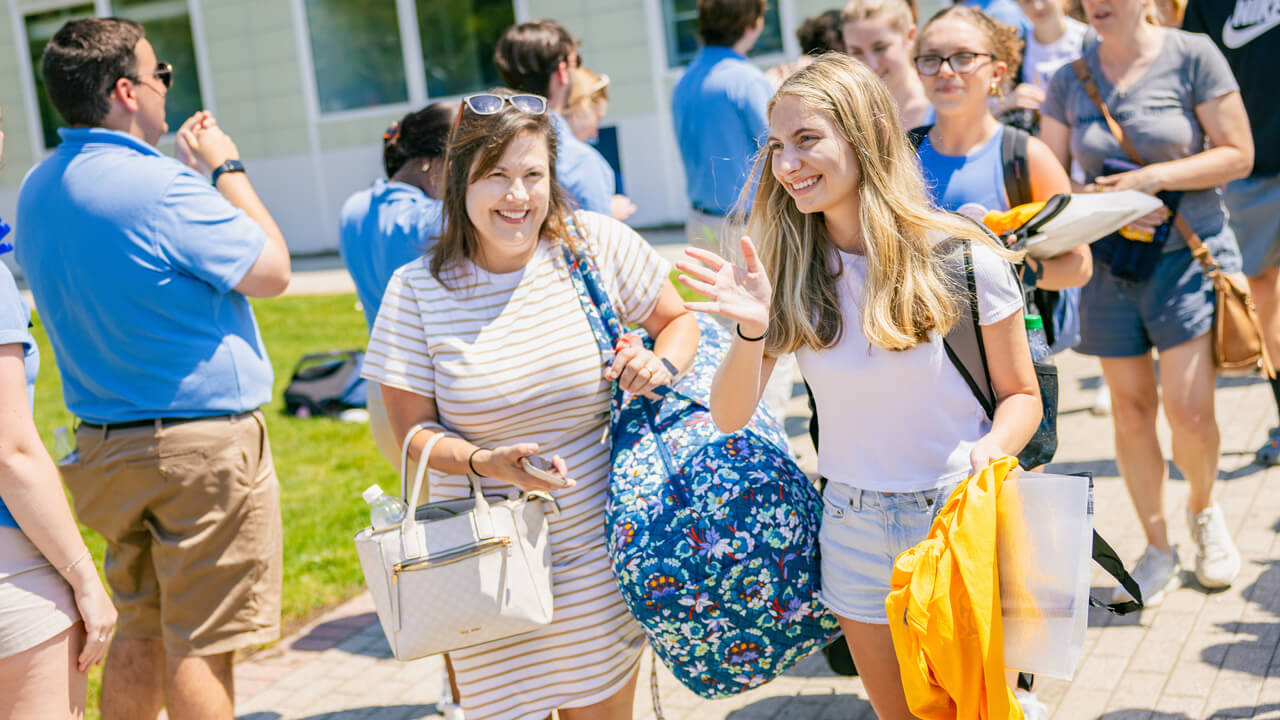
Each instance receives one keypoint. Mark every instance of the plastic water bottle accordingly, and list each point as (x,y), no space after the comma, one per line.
(1040,352)
(384,510)
(64,452)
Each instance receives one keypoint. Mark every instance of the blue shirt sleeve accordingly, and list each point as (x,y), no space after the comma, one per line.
(597,195)
(202,234)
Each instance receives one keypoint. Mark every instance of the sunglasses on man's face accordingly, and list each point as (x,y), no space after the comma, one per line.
(490,104)
(163,73)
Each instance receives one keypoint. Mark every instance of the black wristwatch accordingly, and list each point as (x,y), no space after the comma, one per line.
(229,166)
(670,366)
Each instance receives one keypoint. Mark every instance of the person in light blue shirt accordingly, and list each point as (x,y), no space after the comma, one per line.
(539,57)
(718,107)
(141,267)
(396,221)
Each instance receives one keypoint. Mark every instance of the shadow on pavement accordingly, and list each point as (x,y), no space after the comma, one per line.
(328,634)
(1251,654)
(851,706)
(1245,711)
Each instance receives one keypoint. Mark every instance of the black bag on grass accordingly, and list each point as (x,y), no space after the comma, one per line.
(326,384)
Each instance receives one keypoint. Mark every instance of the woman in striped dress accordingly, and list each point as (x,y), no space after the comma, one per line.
(485,340)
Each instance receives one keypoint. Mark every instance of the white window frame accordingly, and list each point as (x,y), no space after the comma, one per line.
(787,25)
(101,8)
(415,72)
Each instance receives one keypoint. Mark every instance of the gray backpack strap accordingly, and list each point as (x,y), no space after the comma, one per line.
(963,343)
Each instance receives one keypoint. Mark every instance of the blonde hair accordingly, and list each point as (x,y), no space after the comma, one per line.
(908,293)
(894,12)
(586,88)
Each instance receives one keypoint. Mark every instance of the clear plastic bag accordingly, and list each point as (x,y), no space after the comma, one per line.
(1044,538)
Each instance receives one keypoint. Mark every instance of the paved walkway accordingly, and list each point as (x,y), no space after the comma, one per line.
(1199,655)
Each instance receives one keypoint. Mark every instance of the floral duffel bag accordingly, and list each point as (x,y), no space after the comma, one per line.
(713,537)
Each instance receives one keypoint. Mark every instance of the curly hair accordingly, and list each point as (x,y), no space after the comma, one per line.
(1002,40)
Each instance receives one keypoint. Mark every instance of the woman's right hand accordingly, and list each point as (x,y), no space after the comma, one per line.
(503,463)
(741,294)
(97,612)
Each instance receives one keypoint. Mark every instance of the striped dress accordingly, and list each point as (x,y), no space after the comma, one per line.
(511,358)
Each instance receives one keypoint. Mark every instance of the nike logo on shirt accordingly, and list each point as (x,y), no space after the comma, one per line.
(1250,19)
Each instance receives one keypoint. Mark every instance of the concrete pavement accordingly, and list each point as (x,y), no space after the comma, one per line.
(1199,655)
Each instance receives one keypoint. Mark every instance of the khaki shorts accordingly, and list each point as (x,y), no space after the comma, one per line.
(191,516)
(35,602)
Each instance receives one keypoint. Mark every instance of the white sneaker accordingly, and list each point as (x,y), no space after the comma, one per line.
(1217,559)
(1156,573)
(1102,401)
(1032,708)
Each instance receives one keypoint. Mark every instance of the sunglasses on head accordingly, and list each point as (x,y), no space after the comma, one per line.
(490,104)
(163,73)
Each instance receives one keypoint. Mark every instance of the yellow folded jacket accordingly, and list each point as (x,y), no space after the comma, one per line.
(944,610)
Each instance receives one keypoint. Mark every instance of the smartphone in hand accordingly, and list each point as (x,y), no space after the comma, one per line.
(541,468)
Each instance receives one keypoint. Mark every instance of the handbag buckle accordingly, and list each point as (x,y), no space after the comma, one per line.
(448,557)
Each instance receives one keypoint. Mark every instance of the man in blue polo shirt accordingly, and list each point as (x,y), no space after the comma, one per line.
(539,57)
(140,268)
(720,119)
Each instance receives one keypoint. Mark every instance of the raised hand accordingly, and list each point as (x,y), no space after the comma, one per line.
(741,294)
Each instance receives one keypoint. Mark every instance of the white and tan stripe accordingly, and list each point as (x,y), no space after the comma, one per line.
(511,358)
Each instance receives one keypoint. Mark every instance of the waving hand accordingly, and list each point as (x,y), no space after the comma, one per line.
(741,294)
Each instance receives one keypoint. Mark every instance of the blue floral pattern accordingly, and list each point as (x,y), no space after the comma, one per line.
(713,538)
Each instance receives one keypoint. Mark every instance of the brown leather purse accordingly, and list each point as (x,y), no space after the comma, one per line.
(1238,346)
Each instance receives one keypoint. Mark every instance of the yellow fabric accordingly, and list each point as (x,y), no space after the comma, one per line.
(944,610)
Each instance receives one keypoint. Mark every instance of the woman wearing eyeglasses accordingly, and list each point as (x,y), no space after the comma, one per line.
(963,57)
(486,341)
(55,617)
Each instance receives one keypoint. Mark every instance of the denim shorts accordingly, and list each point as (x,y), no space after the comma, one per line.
(1252,204)
(1122,318)
(863,531)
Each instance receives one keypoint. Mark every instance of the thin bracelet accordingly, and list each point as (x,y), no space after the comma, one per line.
(76,562)
(471,463)
(750,339)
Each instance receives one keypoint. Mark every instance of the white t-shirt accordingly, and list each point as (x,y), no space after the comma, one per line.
(1042,61)
(899,421)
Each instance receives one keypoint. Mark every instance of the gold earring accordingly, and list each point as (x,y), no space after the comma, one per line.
(995,88)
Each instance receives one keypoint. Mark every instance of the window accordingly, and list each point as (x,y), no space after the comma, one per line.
(681,17)
(356,53)
(458,37)
(168,26)
(365,56)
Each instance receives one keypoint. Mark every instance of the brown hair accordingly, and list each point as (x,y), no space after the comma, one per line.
(724,22)
(82,62)
(1002,40)
(528,54)
(477,145)
(821,33)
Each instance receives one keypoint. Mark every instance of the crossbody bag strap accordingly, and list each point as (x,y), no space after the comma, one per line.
(1193,240)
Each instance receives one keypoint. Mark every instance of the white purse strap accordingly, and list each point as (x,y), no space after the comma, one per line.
(411,542)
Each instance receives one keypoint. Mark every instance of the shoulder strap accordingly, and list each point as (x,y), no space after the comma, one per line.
(963,343)
(917,136)
(1013,158)
(1082,71)
(1109,561)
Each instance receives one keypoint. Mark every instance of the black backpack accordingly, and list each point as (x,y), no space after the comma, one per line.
(326,384)
(1017,185)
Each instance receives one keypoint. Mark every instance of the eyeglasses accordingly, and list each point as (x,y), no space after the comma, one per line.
(960,63)
(163,73)
(490,104)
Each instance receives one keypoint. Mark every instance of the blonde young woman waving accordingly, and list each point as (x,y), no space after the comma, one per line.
(848,279)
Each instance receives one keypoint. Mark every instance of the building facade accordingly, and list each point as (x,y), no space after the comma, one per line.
(306,87)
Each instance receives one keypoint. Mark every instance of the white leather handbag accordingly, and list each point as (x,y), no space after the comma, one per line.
(458,573)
